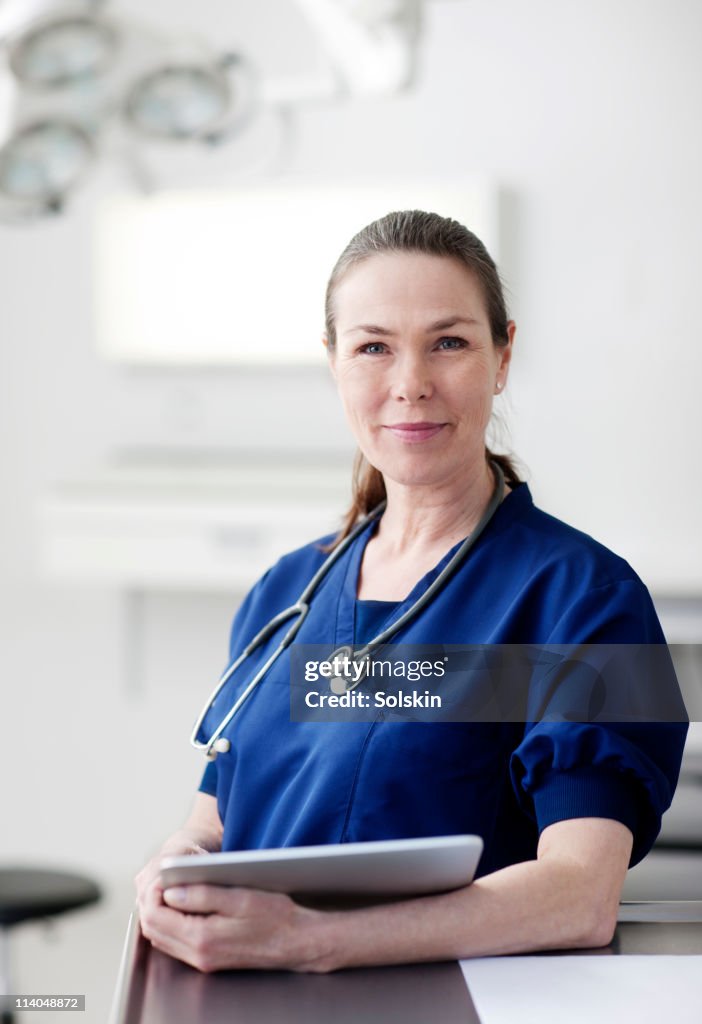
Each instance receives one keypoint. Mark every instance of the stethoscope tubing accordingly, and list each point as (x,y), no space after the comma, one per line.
(301,609)
(496,499)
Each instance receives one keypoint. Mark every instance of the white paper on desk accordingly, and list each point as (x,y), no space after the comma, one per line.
(616,989)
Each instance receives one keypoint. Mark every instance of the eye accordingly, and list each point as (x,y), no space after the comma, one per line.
(372,348)
(448,344)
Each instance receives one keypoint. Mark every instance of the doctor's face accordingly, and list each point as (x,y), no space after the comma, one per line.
(416,366)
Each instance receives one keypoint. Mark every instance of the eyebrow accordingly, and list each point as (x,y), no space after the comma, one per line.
(438,325)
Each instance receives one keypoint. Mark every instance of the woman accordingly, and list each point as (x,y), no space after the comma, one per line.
(419,343)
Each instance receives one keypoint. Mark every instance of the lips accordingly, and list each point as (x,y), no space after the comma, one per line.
(415,433)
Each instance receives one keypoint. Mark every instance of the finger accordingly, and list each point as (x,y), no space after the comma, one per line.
(151,889)
(199,849)
(190,952)
(180,952)
(209,899)
(161,921)
(149,901)
(187,937)
(147,876)
(149,894)
(227,901)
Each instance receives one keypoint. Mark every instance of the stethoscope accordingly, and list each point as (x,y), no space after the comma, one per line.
(339,684)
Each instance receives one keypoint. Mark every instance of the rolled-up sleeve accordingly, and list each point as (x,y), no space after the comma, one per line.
(576,770)
(208,783)
(626,770)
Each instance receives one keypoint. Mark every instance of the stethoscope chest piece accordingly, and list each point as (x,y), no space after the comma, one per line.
(348,669)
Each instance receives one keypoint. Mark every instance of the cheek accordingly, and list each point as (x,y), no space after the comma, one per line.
(471,394)
(358,395)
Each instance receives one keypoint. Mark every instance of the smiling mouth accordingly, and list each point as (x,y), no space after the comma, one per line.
(415,433)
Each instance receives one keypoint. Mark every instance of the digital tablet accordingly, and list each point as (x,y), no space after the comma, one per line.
(338,873)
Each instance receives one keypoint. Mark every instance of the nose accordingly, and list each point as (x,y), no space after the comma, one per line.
(411,380)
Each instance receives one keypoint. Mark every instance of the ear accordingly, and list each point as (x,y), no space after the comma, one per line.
(506,350)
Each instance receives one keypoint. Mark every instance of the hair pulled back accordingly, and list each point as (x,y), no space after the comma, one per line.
(432,235)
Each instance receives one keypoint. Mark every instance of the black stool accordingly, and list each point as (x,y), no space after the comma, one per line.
(30,893)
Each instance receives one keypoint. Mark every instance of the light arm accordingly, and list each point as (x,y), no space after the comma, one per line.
(568,897)
(201,833)
(203,826)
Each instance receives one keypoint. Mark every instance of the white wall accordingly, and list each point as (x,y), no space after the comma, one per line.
(588,114)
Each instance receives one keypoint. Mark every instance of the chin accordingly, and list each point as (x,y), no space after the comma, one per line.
(427,475)
(424,469)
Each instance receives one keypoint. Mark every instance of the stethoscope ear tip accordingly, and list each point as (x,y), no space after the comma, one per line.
(221,746)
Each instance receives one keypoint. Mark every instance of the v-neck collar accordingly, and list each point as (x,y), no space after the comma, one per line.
(514,504)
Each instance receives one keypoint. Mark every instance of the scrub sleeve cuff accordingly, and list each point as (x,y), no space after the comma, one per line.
(586,793)
(209,780)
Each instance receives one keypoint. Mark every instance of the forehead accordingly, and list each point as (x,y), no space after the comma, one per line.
(408,284)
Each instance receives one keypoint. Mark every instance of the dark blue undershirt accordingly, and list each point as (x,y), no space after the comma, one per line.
(371,616)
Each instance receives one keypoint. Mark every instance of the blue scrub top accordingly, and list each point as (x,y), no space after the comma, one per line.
(530,578)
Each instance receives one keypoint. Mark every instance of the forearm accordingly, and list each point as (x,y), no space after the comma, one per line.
(568,897)
(206,838)
(201,832)
(203,827)
(530,906)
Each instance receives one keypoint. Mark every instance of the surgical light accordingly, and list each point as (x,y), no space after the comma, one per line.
(42,162)
(63,51)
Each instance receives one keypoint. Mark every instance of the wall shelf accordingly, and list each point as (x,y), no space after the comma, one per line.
(187,524)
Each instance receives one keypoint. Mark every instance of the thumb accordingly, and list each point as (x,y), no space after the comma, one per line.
(195,899)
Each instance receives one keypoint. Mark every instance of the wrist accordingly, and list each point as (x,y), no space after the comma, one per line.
(186,841)
(317,938)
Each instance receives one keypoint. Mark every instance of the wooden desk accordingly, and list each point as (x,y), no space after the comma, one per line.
(154,989)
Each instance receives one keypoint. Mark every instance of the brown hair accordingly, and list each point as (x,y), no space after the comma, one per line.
(428,233)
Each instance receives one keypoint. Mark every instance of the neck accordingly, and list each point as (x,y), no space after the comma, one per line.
(424,517)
